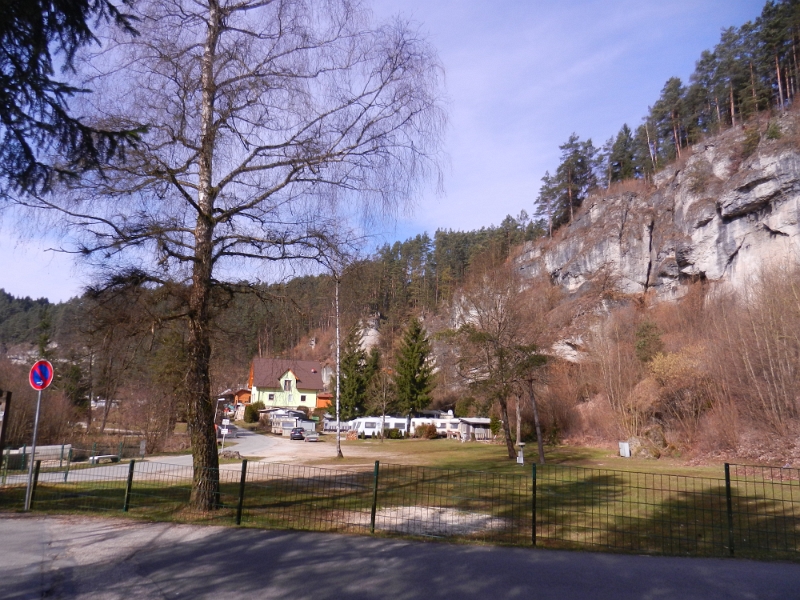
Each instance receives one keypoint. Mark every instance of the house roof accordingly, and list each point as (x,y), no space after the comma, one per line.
(267,373)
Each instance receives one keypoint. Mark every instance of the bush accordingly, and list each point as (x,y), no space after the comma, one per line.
(648,341)
(495,425)
(774,131)
(427,432)
(251,412)
(751,141)
(394,434)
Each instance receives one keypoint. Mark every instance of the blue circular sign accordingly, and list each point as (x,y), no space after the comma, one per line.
(41,375)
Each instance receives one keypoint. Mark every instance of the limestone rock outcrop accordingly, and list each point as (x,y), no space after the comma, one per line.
(716,217)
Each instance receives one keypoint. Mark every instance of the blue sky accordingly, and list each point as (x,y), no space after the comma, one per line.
(521,76)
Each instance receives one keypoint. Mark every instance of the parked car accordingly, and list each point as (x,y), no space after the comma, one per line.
(297,433)
(312,437)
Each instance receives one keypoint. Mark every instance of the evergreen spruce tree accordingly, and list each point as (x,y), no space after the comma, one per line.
(413,373)
(35,122)
(621,159)
(357,370)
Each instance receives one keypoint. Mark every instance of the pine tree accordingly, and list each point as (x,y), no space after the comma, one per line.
(574,177)
(413,373)
(622,156)
(547,201)
(357,371)
(35,122)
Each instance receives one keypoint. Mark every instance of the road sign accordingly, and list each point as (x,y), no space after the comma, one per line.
(224,431)
(41,375)
(226,422)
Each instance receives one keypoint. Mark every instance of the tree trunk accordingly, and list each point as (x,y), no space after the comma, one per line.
(733,110)
(519,421)
(205,459)
(780,85)
(507,428)
(539,440)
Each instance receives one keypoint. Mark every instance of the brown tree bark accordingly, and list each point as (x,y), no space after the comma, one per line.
(539,441)
(507,427)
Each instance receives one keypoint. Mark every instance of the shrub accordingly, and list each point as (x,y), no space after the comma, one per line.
(774,131)
(648,341)
(251,412)
(393,434)
(427,432)
(495,425)
(750,142)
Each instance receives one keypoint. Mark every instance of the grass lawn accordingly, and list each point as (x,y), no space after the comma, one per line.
(476,456)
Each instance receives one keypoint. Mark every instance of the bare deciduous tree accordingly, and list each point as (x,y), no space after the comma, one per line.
(498,323)
(264,117)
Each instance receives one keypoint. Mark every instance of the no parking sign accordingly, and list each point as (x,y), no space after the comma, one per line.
(41,375)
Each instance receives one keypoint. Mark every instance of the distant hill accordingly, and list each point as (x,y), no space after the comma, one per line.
(23,320)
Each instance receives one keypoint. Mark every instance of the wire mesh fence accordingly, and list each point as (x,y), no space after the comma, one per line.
(638,512)
(746,511)
(764,510)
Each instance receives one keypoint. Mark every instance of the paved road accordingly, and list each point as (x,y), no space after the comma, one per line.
(246,444)
(106,559)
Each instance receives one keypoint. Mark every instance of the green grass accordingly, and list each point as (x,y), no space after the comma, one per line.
(451,454)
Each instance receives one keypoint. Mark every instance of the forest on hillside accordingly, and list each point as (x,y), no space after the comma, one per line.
(753,70)
(668,376)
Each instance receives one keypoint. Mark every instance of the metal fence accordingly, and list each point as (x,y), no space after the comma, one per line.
(746,511)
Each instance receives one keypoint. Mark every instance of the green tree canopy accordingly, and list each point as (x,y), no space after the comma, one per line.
(413,377)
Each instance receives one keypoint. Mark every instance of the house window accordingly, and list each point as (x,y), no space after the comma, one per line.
(369,425)
(303,398)
(287,385)
(271,397)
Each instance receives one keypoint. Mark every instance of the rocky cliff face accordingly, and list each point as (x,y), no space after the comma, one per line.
(717,217)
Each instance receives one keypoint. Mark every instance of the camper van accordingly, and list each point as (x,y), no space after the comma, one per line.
(371,426)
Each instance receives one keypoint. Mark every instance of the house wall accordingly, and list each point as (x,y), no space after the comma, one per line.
(286,399)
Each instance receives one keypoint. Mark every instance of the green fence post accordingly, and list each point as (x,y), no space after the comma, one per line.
(61,457)
(729,499)
(241,493)
(5,464)
(533,505)
(37,466)
(128,487)
(119,451)
(69,461)
(374,498)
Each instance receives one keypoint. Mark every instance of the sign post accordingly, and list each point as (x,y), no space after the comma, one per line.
(5,417)
(40,377)
(225,423)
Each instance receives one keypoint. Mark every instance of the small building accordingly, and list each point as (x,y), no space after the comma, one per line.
(475,426)
(282,383)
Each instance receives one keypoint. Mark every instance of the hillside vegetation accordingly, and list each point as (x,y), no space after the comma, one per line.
(653,298)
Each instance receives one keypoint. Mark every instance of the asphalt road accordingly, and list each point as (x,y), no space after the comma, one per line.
(76,557)
(246,444)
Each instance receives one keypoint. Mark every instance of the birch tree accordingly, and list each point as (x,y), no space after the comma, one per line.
(264,119)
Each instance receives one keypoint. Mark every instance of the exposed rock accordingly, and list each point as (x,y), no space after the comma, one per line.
(716,218)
